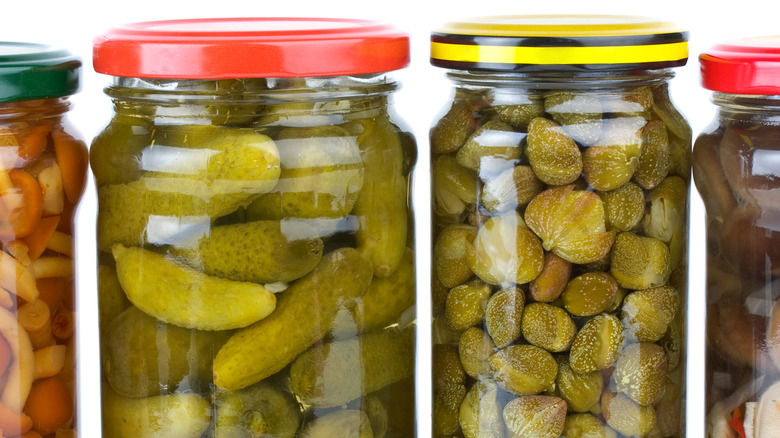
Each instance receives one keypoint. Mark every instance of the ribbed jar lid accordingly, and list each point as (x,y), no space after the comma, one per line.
(222,48)
(36,71)
(533,43)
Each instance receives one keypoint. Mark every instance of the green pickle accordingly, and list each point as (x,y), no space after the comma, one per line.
(559,272)
(247,252)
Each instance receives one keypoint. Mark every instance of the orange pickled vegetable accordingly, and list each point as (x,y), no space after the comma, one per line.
(62,324)
(72,157)
(49,405)
(51,291)
(21,217)
(13,423)
(31,434)
(34,144)
(39,238)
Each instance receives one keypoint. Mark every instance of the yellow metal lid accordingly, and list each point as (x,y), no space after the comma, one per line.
(533,43)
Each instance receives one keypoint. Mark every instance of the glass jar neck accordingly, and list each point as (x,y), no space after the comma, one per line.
(34,109)
(561,80)
(757,107)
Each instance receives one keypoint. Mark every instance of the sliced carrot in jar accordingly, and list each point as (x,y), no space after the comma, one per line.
(38,239)
(23,205)
(72,157)
(34,143)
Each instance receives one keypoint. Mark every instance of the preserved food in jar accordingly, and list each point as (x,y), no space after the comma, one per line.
(257,272)
(43,171)
(736,174)
(560,191)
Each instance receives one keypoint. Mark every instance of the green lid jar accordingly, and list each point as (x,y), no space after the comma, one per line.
(561,175)
(43,165)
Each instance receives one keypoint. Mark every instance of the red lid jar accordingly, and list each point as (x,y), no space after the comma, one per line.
(736,171)
(256,256)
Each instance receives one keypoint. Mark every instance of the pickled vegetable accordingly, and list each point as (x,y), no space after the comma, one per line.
(180,415)
(262,409)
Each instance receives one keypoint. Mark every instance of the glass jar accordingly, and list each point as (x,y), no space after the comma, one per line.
(561,173)
(43,171)
(255,238)
(736,174)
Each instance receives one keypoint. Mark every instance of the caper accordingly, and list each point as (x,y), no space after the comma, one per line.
(578,113)
(581,391)
(446,407)
(570,223)
(450,254)
(626,416)
(550,283)
(510,189)
(608,167)
(447,369)
(455,187)
(474,349)
(493,141)
(654,161)
(548,327)
(669,410)
(597,343)
(640,262)
(554,156)
(640,372)
(586,426)
(668,207)
(503,316)
(480,412)
(647,313)
(465,306)
(452,130)
(524,369)
(506,251)
(538,416)
(519,115)
(624,207)
(590,294)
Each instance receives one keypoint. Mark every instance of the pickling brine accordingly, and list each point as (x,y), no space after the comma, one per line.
(255,238)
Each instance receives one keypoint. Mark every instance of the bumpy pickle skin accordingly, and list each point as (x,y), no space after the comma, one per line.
(597,344)
(578,113)
(547,326)
(640,372)
(163,416)
(182,296)
(474,349)
(451,252)
(581,391)
(321,175)
(654,161)
(260,252)
(639,262)
(135,366)
(262,349)
(326,375)
(503,316)
(452,130)
(383,303)
(381,205)
(465,305)
(648,313)
(263,409)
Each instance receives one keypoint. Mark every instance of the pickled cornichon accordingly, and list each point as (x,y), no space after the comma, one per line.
(255,237)
(560,187)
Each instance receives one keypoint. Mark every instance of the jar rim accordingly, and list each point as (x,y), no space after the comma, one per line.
(30,71)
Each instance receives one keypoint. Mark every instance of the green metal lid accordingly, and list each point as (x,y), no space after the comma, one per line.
(35,71)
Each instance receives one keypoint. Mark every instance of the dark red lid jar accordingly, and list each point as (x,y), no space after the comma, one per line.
(256,253)
(736,168)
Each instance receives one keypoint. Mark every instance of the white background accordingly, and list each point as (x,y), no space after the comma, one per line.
(74,23)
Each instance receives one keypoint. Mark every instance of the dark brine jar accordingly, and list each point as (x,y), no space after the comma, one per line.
(561,175)
(256,266)
(736,171)
(43,171)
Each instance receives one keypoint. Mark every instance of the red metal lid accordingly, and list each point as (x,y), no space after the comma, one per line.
(744,66)
(224,48)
